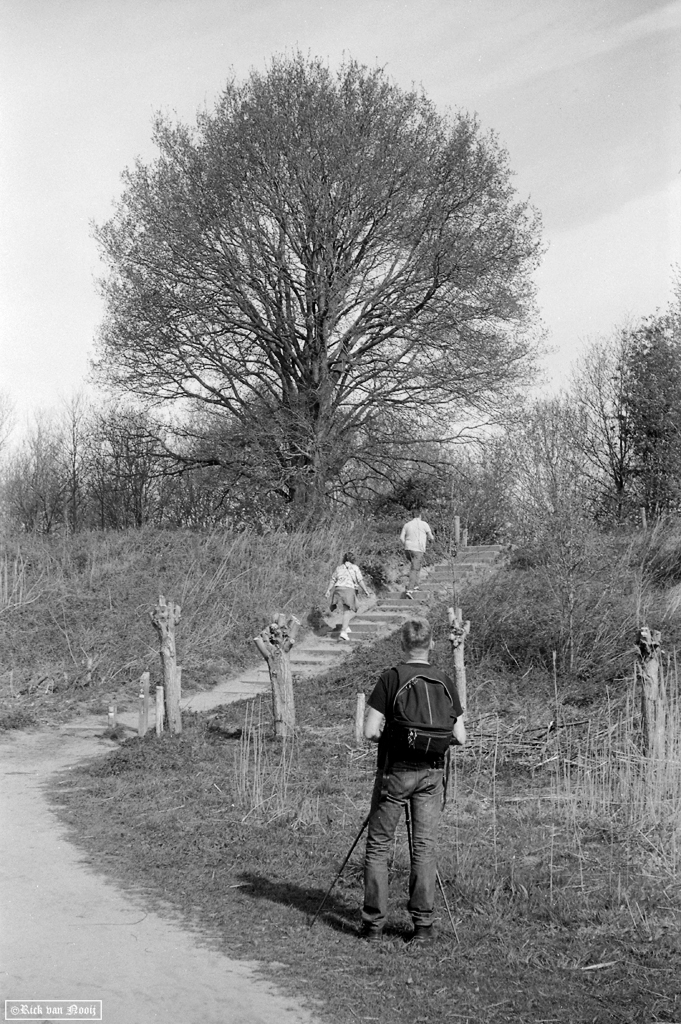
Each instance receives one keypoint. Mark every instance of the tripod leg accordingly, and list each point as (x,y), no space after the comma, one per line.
(444,897)
(342,867)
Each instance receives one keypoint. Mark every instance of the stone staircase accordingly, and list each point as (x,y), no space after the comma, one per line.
(314,654)
(447,579)
(322,649)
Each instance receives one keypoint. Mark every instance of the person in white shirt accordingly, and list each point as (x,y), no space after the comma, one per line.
(343,588)
(414,537)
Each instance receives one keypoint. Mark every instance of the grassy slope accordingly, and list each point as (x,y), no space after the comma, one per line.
(64,600)
(558,918)
(563,913)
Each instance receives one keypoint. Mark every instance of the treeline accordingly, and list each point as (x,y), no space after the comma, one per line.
(93,468)
(606,450)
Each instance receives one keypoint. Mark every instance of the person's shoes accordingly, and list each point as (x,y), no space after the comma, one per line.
(343,636)
(371,932)
(409,594)
(422,935)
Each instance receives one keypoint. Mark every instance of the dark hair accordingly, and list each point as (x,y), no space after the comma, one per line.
(416,633)
(349,557)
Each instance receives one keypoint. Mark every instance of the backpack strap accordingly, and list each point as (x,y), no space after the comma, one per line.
(446,776)
(401,680)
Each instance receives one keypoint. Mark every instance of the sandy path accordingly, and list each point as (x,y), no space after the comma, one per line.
(67,933)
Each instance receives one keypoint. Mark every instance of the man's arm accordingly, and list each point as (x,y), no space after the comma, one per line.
(374,723)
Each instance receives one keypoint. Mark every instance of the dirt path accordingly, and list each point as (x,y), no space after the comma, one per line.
(66,933)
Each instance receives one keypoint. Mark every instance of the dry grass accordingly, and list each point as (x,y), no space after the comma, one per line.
(606,776)
(559,845)
(75,611)
(262,771)
(555,901)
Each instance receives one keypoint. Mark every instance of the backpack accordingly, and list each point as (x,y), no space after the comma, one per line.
(423,716)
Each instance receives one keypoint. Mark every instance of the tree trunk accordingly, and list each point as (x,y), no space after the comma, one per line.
(359,718)
(275,643)
(458,631)
(165,617)
(652,705)
(160,710)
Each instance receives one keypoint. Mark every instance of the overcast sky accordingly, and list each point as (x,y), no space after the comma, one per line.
(584,94)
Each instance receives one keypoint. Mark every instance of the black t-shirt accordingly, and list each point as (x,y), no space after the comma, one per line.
(383,697)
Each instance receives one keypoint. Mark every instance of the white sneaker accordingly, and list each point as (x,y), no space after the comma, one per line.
(343,636)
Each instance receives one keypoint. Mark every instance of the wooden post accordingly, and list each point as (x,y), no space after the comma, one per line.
(457,530)
(464,537)
(644,519)
(652,704)
(160,710)
(275,643)
(164,618)
(143,717)
(458,631)
(359,718)
(111,717)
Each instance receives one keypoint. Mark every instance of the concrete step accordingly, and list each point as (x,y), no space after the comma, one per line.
(482,549)
(380,616)
(329,649)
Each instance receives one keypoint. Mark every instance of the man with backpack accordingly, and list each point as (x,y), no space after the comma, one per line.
(414,714)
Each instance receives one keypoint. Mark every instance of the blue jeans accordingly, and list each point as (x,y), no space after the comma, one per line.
(422,788)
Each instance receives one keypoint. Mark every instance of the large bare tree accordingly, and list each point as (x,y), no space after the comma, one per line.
(326,265)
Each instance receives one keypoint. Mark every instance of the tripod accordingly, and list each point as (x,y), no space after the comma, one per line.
(410,841)
(342,868)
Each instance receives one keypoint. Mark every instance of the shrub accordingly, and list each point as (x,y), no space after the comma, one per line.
(520,615)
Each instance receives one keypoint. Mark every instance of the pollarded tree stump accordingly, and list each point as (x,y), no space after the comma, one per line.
(164,618)
(458,631)
(275,643)
(652,703)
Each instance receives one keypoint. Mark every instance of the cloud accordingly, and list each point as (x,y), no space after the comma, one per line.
(615,261)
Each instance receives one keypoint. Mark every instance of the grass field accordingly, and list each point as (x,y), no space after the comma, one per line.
(563,886)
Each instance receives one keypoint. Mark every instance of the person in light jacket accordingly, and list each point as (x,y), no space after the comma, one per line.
(345,584)
(414,537)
